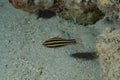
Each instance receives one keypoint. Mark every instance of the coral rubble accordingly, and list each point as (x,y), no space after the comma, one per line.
(111,9)
(113,13)
(83,12)
(32,5)
(108,45)
(80,11)
(102,4)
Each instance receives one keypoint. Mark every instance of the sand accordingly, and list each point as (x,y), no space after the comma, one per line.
(23,57)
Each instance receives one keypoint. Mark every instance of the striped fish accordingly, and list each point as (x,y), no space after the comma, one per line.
(58,42)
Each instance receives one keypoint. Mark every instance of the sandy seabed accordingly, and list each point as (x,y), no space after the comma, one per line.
(23,57)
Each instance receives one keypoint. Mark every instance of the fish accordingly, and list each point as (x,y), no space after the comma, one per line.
(58,42)
(85,55)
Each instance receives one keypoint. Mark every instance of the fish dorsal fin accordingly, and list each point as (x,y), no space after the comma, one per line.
(57,38)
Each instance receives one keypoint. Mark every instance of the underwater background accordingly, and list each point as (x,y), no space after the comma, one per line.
(23,57)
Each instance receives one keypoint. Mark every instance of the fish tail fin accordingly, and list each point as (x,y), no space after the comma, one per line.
(73,41)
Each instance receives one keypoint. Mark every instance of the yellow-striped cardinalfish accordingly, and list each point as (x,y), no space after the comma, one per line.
(58,42)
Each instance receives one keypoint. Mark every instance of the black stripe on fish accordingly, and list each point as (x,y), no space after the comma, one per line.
(55,45)
(58,42)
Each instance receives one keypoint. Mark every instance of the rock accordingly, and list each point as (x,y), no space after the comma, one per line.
(113,13)
(108,45)
(103,4)
(111,9)
(79,11)
(84,13)
(32,5)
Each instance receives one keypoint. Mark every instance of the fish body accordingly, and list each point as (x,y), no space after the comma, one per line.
(58,42)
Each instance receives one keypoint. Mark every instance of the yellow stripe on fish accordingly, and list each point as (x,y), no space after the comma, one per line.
(58,42)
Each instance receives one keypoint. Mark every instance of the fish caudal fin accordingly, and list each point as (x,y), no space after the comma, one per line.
(73,41)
